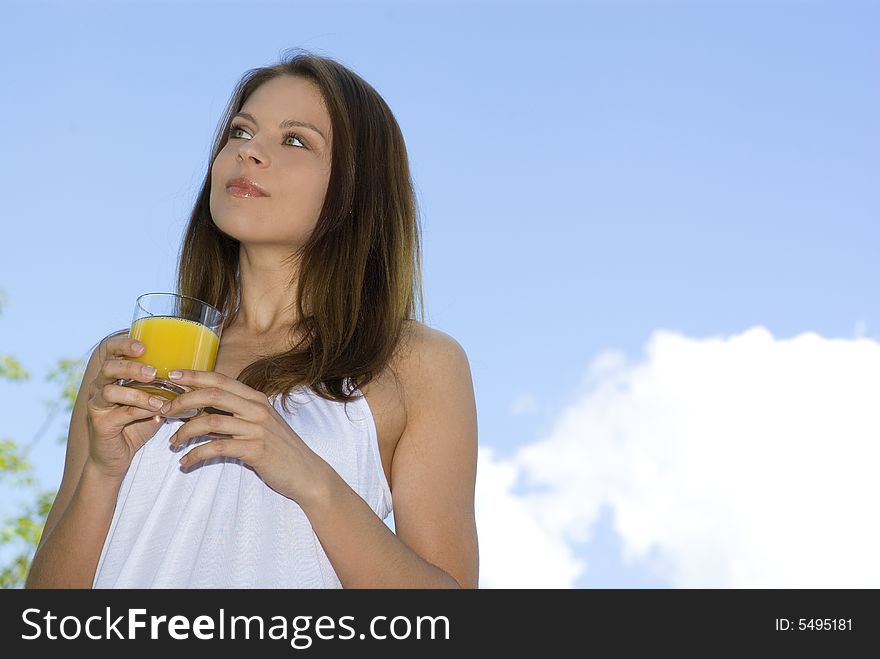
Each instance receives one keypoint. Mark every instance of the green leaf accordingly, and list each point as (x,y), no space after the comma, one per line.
(12,370)
(11,459)
(15,574)
(22,531)
(69,373)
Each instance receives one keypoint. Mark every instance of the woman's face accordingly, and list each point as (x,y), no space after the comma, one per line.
(291,164)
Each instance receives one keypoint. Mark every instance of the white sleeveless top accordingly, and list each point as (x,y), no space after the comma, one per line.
(220,525)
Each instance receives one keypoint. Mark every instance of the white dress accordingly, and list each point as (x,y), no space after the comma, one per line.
(219,525)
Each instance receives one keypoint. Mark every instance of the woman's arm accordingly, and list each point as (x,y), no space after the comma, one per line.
(77,524)
(434,476)
(68,557)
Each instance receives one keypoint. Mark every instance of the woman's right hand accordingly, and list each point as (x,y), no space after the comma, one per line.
(120,419)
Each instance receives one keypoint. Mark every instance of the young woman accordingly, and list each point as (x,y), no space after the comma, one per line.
(327,395)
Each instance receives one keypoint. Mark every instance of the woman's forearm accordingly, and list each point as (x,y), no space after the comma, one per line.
(364,552)
(68,558)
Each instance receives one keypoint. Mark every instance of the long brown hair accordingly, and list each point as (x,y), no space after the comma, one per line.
(359,272)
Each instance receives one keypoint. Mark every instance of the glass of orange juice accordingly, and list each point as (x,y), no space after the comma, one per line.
(179,332)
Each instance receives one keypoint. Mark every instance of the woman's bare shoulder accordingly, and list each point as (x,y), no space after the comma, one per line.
(425,339)
(416,343)
(424,354)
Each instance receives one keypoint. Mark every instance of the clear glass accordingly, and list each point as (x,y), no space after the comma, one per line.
(179,332)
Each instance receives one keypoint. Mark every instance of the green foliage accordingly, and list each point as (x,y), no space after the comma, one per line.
(22,530)
(14,466)
(68,373)
(12,370)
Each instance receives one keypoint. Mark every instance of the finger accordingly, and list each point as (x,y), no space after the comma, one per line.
(212,423)
(116,417)
(119,417)
(206,379)
(118,353)
(114,369)
(123,346)
(219,399)
(112,394)
(231,448)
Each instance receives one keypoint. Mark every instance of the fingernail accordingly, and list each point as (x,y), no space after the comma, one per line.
(166,408)
(149,371)
(157,402)
(137,347)
(174,375)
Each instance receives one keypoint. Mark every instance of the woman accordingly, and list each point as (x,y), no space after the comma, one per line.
(305,235)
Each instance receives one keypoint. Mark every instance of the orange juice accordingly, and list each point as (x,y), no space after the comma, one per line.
(174,343)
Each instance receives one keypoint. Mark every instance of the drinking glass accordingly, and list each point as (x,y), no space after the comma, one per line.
(179,332)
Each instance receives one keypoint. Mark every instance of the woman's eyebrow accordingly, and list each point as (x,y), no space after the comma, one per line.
(289,123)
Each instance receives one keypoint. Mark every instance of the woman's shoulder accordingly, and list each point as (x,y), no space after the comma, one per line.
(426,355)
(421,342)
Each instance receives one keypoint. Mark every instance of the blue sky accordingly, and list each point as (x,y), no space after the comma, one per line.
(587,173)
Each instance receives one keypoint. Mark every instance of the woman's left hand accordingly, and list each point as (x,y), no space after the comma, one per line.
(258,434)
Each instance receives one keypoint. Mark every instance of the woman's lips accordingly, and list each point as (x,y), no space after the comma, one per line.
(242,186)
(243,192)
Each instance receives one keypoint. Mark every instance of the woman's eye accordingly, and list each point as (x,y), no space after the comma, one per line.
(234,129)
(294,136)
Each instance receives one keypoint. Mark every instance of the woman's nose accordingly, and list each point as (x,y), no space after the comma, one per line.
(249,151)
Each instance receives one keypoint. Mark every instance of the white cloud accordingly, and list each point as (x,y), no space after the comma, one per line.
(515,552)
(524,403)
(746,461)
